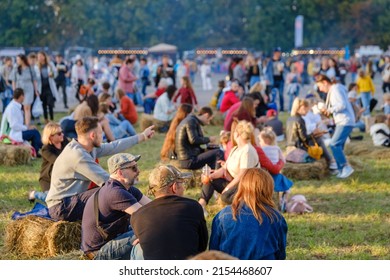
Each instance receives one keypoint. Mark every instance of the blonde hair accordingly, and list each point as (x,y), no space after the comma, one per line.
(49,130)
(224,137)
(245,129)
(257,87)
(386,97)
(380,118)
(268,136)
(255,190)
(298,103)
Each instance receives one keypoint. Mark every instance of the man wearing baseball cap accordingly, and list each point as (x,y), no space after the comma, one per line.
(171,227)
(106,217)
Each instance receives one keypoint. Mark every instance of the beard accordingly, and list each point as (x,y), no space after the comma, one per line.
(96,143)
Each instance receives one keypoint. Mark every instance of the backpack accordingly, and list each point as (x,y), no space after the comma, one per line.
(3,85)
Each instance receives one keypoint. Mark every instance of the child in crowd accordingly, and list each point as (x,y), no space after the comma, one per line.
(224,138)
(386,105)
(380,131)
(358,110)
(186,93)
(282,184)
(276,124)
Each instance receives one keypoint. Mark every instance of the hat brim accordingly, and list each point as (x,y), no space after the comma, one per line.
(185,175)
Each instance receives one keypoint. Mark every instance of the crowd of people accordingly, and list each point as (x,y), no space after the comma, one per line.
(118,220)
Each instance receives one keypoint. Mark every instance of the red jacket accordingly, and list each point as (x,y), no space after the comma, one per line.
(228,100)
(187,96)
(128,109)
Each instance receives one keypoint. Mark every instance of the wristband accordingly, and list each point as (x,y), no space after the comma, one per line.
(144,134)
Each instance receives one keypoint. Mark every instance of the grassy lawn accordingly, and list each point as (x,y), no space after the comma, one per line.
(351,218)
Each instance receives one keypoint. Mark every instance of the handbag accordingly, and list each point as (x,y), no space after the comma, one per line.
(37,109)
(297,156)
(314,151)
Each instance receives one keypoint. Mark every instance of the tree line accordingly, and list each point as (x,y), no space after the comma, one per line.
(189,24)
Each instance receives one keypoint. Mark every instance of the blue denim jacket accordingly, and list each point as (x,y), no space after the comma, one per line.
(246,238)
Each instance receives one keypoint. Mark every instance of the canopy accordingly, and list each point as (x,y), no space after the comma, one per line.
(163,48)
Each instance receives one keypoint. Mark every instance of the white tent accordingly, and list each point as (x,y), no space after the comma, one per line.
(163,48)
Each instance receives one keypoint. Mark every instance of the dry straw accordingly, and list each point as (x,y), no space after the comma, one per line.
(14,155)
(38,237)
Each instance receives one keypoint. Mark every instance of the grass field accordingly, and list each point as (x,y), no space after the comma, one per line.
(351,218)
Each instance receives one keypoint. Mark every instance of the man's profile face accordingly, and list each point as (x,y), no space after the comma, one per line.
(97,136)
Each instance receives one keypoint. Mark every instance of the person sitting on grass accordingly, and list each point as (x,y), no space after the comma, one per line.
(380,131)
(54,143)
(251,228)
(76,167)
(114,203)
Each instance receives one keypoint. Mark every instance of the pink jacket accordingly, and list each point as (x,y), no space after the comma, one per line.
(126,79)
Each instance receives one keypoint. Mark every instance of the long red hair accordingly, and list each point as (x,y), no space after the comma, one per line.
(169,143)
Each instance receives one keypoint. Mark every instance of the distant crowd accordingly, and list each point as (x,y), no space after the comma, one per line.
(242,166)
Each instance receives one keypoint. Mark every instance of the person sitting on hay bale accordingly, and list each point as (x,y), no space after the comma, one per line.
(12,124)
(76,168)
(54,143)
(171,227)
(297,136)
(105,223)
(168,147)
(189,138)
(164,110)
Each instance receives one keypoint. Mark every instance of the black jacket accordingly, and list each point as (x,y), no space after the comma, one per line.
(296,134)
(189,137)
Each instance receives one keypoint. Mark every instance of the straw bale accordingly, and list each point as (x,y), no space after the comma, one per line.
(33,236)
(63,237)
(14,155)
(195,181)
(358,149)
(217,119)
(306,171)
(380,153)
(146,121)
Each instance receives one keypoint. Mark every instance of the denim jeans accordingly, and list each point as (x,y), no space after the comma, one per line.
(279,84)
(137,253)
(33,136)
(126,126)
(41,195)
(136,97)
(337,143)
(118,248)
(149,104)
(366,98)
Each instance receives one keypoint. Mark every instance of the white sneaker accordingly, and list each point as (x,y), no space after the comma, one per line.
(347,171)
(333,165)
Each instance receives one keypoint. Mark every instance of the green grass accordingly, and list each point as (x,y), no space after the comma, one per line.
(351,218)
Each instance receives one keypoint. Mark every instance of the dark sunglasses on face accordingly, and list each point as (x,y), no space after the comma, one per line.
(58,133)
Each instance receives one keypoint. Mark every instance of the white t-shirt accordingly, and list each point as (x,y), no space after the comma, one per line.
(241,158)
(379,138)
(274,153)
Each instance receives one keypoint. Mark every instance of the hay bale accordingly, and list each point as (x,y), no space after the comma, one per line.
(63,237)
(11,155)
(356,163)
(306,171)
(358,149)
(195,180)
(33,236)
(380,153)
(146,121)
(218,119)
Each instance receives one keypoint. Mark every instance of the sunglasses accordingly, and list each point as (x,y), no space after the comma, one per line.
(134,168)
(58,133)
